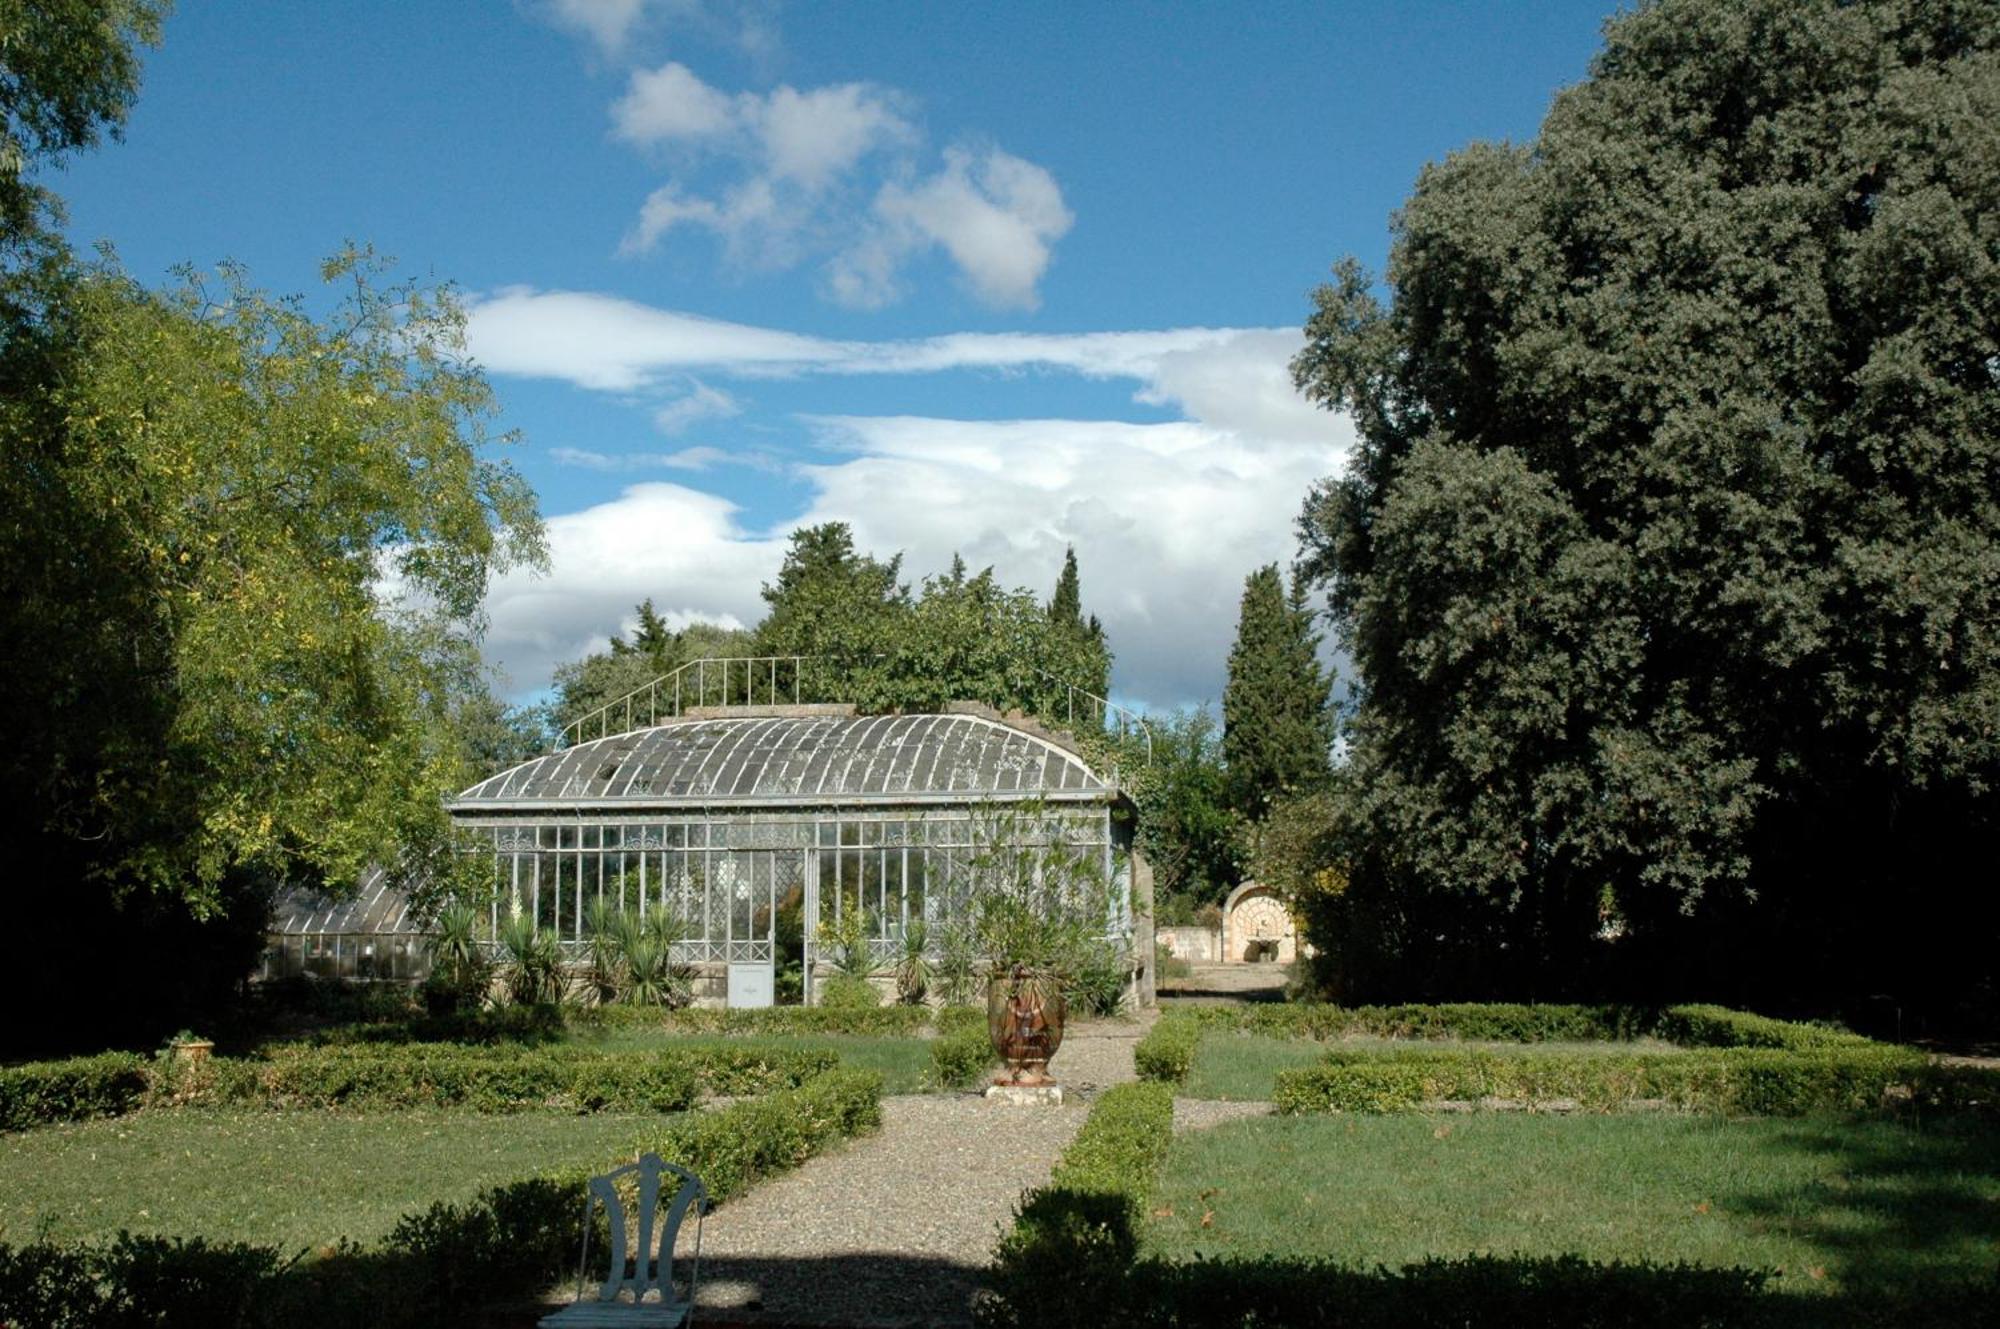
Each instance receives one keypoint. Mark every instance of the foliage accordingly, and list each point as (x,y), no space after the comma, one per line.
(1751,1081)
(1186,827)
(646,974)
(1668,558)
(842,991)
(1031,897)
(509,1242)
(961,1054)
(913,966)
(1167,1051)
(531,964)
(72,74)
(460,970)
(1277,706)
(39,1093)
(1073,1240)
(1098,987)
(878,1021)
(585,686)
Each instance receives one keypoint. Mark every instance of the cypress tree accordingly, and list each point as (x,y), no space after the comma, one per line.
(1277,708)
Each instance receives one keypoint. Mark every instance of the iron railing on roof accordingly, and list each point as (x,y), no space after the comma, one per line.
(772,680)
(748,680)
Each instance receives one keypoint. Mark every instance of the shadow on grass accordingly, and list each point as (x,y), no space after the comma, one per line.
(1071,1263)
(1909,1203)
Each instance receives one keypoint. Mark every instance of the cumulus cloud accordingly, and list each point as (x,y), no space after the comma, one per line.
(679,546)
(1167,517)
(792,162)
(996,215)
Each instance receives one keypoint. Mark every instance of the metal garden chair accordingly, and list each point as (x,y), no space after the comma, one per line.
(649,1275)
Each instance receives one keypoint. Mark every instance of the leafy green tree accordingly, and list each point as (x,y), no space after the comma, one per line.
(1081,657)
(1187,828)
(71,72)
(1669,558)
(602,679)
(837,605)
(1277,706)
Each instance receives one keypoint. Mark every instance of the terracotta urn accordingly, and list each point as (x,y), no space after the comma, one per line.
(1024,1018)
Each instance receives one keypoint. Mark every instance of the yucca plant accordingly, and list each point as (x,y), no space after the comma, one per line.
(913,965)
(652,977)
(460,970)
(532,962)
(607,976)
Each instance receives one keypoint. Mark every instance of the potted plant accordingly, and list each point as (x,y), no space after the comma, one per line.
(1038,909)
(190,1050)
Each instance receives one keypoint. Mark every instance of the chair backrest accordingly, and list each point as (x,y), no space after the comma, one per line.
(651,1170)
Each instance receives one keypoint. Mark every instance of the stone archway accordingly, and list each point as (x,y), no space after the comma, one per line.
(1256,925)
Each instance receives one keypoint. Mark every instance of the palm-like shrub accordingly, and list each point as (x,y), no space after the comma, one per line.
(531,962)
(913,965)
(460,970)
(652,977)
(607,976)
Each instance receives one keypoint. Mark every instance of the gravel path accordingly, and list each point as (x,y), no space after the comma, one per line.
(893,1230)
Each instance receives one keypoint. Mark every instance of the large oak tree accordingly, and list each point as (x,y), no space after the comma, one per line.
(1670,557)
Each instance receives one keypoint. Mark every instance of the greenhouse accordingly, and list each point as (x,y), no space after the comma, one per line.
(758,828)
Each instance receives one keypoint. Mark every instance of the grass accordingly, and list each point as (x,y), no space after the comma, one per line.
(902,1061)
(1834,1206)
(293,1179)
(1246,1066)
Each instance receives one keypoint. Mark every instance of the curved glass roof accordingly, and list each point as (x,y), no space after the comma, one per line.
(374,907)
(797,760)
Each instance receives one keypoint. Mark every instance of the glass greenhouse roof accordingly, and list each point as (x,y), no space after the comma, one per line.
(373,908)
(797,760)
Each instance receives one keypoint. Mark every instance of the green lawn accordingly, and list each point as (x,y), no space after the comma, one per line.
(1866,1205)
(902,1061)
(291,1179)
(1246,1066)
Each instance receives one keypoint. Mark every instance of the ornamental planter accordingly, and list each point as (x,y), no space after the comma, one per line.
(1024,1018)
(192,1055)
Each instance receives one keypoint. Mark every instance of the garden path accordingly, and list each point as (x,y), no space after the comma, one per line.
(894,1229)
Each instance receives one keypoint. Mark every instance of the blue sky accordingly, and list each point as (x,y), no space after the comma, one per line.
(993,279)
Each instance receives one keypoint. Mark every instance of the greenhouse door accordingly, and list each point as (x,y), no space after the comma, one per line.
(758,883)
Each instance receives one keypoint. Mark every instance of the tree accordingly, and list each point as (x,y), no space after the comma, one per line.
(1277,705)
(1186,826)
(838,606)
(1081,657)
(71,72)
(1669,559)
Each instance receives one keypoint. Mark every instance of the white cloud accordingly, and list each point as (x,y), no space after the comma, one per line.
(686,459)
(792,162)
(682,547)
(995,214)
(608,23)
(609,344)
(1167,519)
(671,103)
(700,402)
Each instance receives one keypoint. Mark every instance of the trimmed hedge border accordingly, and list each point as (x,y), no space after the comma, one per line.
(106,1085)
(443,1265)
(1166,1053)
(1767,1082)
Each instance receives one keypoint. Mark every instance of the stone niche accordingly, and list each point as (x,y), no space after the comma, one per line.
(1256,926)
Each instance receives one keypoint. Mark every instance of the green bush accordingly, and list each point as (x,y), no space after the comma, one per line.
(1074,1240)
(1166,1053)
(505,1079)
(961,1052)
(45,1092)
(1720,1027)
(1097,988)
(876,1021)
(732,1148)
(848,992)
(1752,1081)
